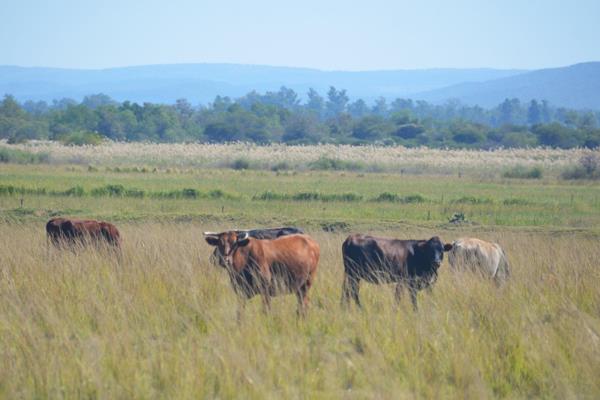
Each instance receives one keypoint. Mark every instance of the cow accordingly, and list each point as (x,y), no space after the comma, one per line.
(287,264)
(484,258)
(266,233)
(67,231)
(408,263)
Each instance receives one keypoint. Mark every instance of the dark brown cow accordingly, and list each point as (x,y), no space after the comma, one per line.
(268,268)
(260,233)
(71,231)
(411,263)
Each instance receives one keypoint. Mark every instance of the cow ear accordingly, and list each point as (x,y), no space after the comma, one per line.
(448,247)
(213,241)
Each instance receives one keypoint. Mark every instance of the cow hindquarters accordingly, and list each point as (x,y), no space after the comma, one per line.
(503,270)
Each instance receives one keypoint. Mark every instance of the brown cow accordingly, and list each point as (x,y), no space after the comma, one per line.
(411,263)
(264,233)
(71,231)
(284,265)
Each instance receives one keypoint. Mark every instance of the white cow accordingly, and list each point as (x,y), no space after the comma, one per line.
(479,256)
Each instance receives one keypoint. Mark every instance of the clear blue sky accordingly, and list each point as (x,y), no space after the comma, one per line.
(322,34)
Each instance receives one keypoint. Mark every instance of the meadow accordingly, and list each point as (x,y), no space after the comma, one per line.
(162,324)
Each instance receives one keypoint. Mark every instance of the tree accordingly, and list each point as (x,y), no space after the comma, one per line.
(94,101)
(534,114)
(380,107)
(371,128)
(401,105)
(336,101)
(315,103)
(555,135)
(509,111)
(9,108)
(358,109)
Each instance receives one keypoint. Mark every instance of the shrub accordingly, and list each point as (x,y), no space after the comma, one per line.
(80,138)
(522,172)
(472,200)
(189,193)
(138,193)
(413,198)
(394,198)
(216,194)
(268,195)
(515,202)
(22,157)
(332,164)
(588,168)
(76,191)
(387,196)
(109,190)
(11,190)
(281,166)
(240,163)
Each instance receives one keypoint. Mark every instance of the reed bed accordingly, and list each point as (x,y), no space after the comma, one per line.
(278,156)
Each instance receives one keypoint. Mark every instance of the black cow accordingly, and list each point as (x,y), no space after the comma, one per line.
(412,263)
(267,233)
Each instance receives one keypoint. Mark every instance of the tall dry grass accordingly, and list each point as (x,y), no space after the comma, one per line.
(163,324)
(380,158)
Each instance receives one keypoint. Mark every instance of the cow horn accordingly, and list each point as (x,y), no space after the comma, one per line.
(211,233)
(244,236)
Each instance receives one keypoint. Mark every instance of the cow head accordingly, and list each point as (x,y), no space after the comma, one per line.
(433,251)
(226,243)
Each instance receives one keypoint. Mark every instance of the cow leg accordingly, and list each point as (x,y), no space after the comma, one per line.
(413,295)
(398,293)
(350,289)
(302,295)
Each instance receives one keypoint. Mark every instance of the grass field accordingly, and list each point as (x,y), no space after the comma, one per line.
(163,323)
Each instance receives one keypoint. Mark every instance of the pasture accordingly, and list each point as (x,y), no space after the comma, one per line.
(163,323)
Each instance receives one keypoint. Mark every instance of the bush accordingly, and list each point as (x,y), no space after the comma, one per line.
(281,166)
(268,195)
(22,157)
(472,200)
(188,193)
(515,202)
(11,190)
(387,196)
(413,198)
(394,198)
(109,190)
(522,172)
(80,138)
(588,168)
(138,193)
(240,163)
(332,164)
(76,191)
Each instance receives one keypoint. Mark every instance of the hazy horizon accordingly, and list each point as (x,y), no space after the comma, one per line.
(326,36)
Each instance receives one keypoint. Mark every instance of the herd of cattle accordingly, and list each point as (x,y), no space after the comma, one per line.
(274,261)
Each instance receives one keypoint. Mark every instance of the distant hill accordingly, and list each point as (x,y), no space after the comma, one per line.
(576,86)
(200,83)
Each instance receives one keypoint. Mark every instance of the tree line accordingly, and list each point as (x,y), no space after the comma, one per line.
(282,116)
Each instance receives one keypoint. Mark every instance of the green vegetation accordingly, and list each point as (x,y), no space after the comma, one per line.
(522,172)
(281,117)
(162,322)
(588,168)
(21,157)
(265,197)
